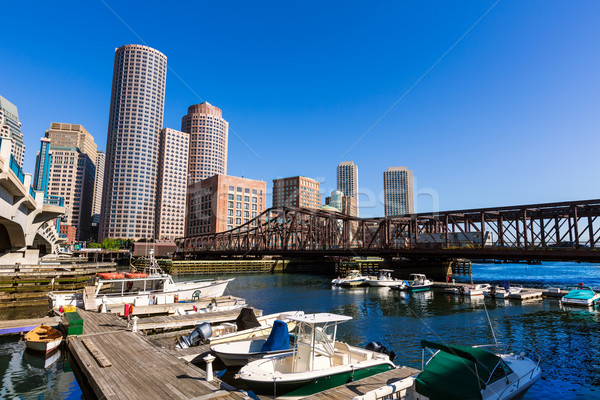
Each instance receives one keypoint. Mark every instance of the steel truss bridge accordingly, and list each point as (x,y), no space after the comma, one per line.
(551,231)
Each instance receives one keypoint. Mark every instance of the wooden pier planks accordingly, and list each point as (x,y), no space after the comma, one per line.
(119,364)
(363,386)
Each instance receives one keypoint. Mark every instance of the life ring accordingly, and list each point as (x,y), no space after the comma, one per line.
(111,275)
(131,275)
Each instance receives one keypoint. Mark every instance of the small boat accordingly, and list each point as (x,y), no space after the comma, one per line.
(152,286)
(43,339)
(246,326)
(354,278)
(318,362)
(237,354)
(581,296)
(384,279)
(415,283)
(502,292)
(464,372)
(471,290)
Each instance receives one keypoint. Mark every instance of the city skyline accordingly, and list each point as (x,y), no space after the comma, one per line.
(520,97)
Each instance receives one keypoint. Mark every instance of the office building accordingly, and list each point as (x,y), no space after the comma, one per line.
(172,184)
(349,206)
(11,127)
(398,191)
(73,135)
(208,141)
(297,191)
(347,181)
(73,175)
(222,202)
(135,121)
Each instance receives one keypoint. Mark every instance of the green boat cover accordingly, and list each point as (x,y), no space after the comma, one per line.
(451,373)
(583,293)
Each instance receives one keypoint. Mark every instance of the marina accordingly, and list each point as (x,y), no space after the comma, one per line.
(377,314)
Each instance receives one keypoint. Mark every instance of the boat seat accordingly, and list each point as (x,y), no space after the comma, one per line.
(354,354)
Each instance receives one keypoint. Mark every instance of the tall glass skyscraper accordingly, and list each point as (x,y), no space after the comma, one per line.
(347,180)
(398,191)
(135,121)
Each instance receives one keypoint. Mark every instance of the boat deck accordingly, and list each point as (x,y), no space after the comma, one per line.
(362,386)
(120,364)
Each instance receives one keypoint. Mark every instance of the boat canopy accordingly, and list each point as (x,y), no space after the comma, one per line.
(319,318)
(456,372)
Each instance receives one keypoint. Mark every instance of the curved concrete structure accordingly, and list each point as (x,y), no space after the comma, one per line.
(24,228)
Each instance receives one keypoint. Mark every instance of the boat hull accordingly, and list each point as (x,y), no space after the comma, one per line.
(184,291)
(241,359)
(290,387)
(383,283)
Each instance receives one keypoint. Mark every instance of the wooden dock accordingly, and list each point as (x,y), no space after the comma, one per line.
(362,386)
(25,325)
(189,320)
(120,364)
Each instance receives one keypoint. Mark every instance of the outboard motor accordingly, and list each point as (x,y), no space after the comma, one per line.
(378,347)
(200,333)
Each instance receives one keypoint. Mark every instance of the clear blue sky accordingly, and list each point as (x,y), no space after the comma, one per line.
(510,115)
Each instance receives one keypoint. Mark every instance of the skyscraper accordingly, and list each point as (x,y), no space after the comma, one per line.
(172,184)
(398,191)
(135,121)
(347,181)
(208,141)
(11,127)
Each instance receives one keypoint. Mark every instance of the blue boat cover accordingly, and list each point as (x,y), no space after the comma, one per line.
(279,338)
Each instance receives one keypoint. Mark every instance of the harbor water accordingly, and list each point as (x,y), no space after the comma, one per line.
(567,340)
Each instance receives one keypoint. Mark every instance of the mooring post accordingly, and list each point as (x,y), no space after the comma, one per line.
(209,368)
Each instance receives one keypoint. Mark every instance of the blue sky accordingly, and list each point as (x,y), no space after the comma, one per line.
(508,115)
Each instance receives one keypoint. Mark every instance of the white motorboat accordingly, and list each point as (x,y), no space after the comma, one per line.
(318,362)
(463,372)
(581,296)
(43,339)
(354,278)
(502,292)
(228,332)
(471,290)
(384,279)
(152,286)
(242,352)
(415,283)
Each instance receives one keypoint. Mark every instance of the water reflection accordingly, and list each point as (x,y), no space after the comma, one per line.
(30,375)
